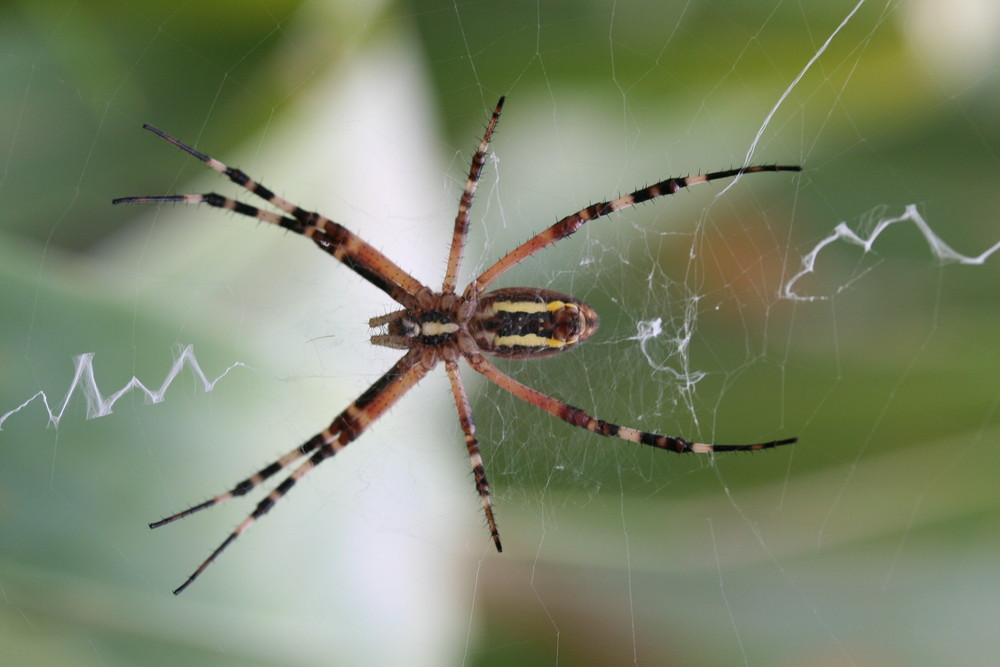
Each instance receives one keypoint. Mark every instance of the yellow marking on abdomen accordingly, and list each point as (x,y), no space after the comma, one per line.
(527,340)
(529,306)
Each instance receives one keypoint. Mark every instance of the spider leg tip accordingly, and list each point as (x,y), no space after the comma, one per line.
(128,200)
(160,522)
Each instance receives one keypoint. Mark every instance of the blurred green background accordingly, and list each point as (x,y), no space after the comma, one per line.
(871,541)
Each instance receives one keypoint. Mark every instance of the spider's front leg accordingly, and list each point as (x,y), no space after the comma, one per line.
(342,431)
(332,237)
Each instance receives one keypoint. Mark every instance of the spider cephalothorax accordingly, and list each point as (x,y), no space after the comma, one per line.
(435,327)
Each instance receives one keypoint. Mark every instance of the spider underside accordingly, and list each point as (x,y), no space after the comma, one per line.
(443,326)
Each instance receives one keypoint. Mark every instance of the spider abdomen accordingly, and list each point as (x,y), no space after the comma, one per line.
(522,322)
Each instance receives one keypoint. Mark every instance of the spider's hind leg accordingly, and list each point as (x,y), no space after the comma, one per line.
(577,417)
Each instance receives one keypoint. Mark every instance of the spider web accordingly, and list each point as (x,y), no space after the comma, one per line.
(849,305)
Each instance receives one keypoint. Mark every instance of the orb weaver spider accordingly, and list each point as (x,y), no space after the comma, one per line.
(443,326)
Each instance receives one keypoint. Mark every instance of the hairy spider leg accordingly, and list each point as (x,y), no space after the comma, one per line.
(461,230)
(335,239)
(468,423)
(342,431)
(571,223)
(577,417)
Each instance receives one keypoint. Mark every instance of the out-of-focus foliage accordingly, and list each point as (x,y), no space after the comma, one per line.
(869,542)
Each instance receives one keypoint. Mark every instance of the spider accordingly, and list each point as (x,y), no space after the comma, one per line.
(442,327)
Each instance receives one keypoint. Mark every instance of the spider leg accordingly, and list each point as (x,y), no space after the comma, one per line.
(571,223)
(465,203)
(577,417)
(343,430)
(251,482)
(469,427)
(360,256)
(236,176)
